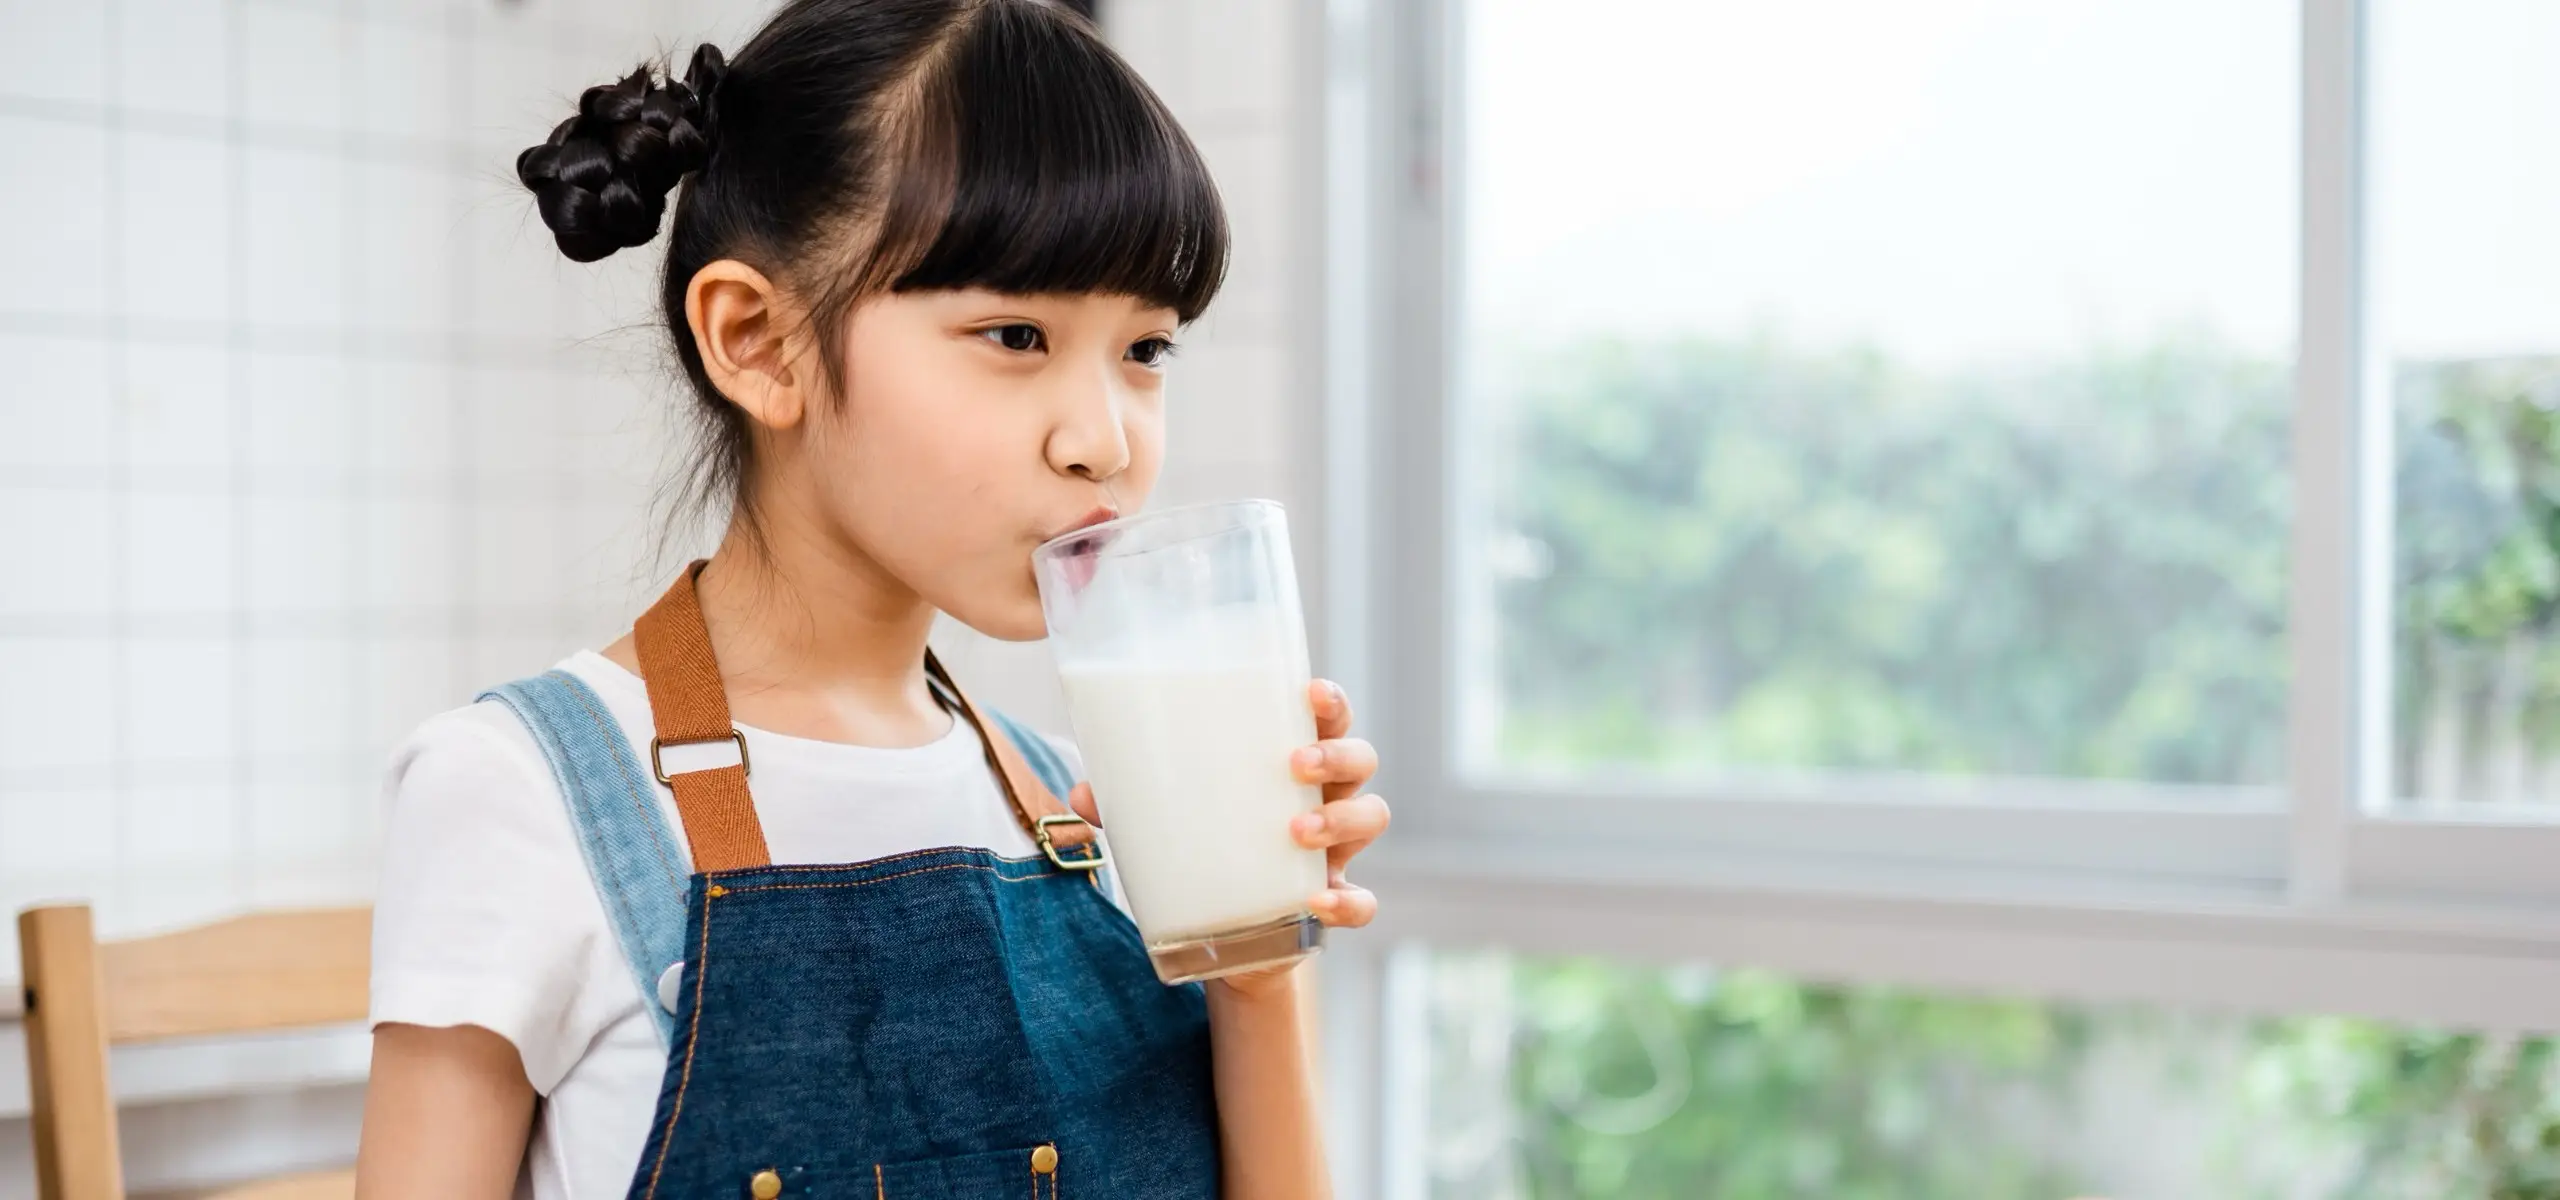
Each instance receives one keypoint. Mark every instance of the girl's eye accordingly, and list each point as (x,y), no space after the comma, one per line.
(1019,337)
(1150,352)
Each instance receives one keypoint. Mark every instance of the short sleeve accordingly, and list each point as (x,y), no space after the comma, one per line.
(485,914)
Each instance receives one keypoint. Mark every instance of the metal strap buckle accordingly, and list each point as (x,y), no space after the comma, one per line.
(659,769)
(1094,859)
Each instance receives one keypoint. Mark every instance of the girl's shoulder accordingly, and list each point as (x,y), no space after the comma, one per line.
(481,765)
(483,913)
(492,740)
(480,747)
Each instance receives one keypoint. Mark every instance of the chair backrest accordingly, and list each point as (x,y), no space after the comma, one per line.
(264,971)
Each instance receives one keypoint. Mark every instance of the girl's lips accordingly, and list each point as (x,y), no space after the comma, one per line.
(1079,557)
(1100,514)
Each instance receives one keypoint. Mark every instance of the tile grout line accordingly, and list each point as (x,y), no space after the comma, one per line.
(358,380)
(119,478)
(462,588)
(381,344)
(242,401)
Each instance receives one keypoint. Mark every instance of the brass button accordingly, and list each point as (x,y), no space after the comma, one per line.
(1044,1160)
(765,1185)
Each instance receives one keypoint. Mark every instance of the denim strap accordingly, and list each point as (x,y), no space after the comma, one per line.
(640,871)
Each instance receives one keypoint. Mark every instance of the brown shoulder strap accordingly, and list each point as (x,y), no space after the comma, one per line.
(1031,799)
(688,704)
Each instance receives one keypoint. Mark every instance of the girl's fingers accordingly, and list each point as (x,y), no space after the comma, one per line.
(1344,762)
(1359,819)
(1345,906)
(1081,800)
(1332,708)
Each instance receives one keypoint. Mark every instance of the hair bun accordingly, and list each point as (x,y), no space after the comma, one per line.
(709,67)
(602,178)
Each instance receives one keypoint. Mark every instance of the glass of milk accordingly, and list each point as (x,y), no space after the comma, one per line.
(1183,652)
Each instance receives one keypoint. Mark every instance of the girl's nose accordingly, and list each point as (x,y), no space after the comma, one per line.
(1092,443)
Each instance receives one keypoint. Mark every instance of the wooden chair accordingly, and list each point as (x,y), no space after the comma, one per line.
(259,972)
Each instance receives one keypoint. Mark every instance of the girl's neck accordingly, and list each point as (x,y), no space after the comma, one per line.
(815,640)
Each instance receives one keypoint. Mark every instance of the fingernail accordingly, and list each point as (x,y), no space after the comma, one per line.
(1308,758)
(1334,690)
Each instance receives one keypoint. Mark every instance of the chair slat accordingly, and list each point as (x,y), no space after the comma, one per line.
(274,970)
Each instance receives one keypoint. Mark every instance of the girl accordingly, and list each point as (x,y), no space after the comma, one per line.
(924,274)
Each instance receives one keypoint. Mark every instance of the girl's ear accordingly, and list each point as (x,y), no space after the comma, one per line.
(745,330)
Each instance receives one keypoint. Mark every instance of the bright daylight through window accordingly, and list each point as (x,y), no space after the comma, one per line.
(1915,401)
(1921,404)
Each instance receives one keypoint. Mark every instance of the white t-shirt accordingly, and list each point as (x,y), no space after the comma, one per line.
(486,914)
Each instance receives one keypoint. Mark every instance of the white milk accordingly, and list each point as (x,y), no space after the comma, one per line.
(1190,764)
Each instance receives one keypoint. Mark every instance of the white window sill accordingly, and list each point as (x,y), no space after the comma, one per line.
(2084,937)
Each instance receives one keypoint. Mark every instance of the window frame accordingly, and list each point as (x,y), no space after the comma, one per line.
(2310,897)
(2315,896)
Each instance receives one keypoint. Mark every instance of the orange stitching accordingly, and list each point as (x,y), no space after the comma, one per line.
(804,868)
(879,1186)
(692,1038)
(855,883)
(622,764)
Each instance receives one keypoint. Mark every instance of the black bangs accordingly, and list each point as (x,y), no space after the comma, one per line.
(1038,162)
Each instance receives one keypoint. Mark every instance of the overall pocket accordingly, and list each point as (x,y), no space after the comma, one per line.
(1031,1171)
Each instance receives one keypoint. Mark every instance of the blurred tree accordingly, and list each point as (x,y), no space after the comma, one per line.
(1755,558)
(2479,569)
(1722,555)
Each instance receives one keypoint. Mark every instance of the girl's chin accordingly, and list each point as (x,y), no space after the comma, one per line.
(1007,622)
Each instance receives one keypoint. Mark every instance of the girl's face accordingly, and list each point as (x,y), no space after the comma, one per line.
(976,425)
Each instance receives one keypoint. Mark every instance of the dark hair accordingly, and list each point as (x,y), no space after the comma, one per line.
(855,147)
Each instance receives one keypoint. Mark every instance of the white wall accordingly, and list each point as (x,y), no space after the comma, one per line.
(304,439)
(309,434)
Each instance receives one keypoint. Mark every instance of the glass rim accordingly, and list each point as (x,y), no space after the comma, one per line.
(1052,547)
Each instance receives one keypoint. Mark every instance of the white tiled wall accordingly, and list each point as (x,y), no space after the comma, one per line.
(307,430)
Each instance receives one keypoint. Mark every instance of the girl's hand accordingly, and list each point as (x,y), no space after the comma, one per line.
(1349,820)
(1344,826)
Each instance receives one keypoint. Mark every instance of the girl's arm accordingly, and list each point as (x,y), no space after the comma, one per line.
(1270,1119)
(1270,1122)
(446,1114)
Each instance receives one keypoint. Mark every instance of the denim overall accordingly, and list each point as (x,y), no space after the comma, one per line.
(942,1025)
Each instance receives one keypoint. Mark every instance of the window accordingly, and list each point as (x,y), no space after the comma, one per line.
(1837,407)
(2467,318)
(2009,515)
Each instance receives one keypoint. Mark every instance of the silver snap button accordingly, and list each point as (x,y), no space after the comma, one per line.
(670,984)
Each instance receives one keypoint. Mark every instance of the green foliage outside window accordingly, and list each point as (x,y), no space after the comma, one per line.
(1746,556)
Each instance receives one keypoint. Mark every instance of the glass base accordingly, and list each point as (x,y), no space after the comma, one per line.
(1283,941)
